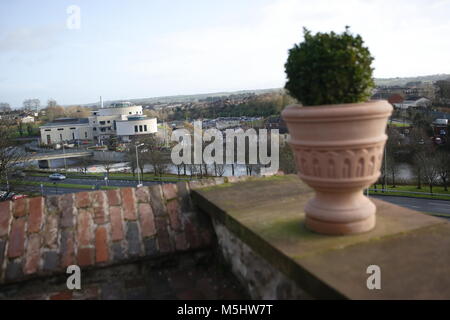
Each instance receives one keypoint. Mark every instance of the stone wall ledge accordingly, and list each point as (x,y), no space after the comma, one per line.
(266,215)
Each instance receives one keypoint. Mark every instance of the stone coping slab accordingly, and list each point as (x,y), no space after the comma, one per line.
(412,249)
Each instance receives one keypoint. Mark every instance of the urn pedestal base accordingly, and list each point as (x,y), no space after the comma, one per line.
(340,213)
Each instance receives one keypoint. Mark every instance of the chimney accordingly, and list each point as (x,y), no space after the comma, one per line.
(101,102)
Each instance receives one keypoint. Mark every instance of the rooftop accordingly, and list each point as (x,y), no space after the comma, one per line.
(66,121)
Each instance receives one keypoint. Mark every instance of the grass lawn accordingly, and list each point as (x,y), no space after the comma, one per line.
(115,176)
(443,195)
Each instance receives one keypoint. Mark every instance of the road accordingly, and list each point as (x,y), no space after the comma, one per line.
(92,182)
(418,204)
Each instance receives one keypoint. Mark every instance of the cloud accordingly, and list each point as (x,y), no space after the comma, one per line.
(27,39)
(404,36)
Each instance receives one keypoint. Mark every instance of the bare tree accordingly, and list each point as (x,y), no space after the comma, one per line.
(84,163)
(10,155)
(443,166)
(429,168)
(107,160)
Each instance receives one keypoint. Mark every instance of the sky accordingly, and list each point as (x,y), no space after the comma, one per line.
(149,48)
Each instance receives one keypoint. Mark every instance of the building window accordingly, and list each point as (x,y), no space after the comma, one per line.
(95,129)
(48,129)
(49,140)
(72,128)
(140,128)
(129,112)
(60,137)
(73,135)
(135,128)
(145,127)
(102,122)
(109,121)
(115,126)
(85,135)
(60,129)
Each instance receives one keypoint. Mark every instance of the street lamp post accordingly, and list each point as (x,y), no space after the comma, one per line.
(137,165)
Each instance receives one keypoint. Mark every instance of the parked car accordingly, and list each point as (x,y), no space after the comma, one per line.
(57,176)
(18,196)
(4,195)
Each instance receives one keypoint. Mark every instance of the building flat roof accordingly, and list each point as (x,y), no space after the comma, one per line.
(66,121)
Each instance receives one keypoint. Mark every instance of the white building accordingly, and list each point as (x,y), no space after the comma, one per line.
(27,119)
(66,129)
(120,119)
(422,102)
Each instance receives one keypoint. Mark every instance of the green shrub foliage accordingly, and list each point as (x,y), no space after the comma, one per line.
(329,68)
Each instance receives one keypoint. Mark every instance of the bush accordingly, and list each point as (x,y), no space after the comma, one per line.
(329,68)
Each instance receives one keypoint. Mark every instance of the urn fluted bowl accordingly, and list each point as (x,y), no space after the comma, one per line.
(338,152)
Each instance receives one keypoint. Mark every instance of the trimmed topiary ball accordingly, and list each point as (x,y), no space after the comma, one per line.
(330,68)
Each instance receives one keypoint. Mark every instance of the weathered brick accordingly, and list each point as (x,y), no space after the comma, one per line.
(142,194)
(52,204)
(64,295)
(180,242)
(2,255)
(51,261)
(100,207)
(5,217)
(118,251)
(85,257)
(51,231)
(67,207)
(67,248)
(91,293)
(147,220)
(174,211)
(36,214)
(156,200)
(101,245)
(163,239)
(114,197)
(16,243)
(13,271)
(129,203)
(85,234)
(192,236)
(20,207)
(83,200)
(116,223)
(170,191)
(33,254)
(185,197)
(133,239)
(112,291)
(150,246)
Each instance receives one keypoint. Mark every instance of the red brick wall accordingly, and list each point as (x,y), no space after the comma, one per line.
(43,236)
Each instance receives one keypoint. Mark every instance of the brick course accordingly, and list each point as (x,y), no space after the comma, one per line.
(39,235)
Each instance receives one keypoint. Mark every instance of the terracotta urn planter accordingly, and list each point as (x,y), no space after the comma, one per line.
(339,152)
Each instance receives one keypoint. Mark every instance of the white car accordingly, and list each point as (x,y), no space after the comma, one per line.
(57,176)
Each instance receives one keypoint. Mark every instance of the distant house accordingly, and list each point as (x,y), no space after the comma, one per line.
(27,119)
(414,103)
